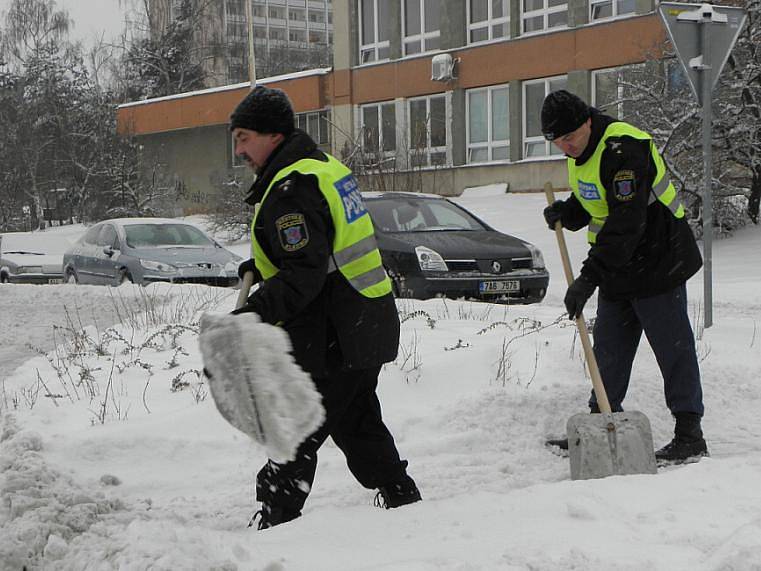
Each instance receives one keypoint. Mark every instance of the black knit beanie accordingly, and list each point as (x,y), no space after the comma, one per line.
(264,110)
(562,113)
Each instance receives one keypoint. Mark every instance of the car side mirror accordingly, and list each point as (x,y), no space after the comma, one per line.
(108,251)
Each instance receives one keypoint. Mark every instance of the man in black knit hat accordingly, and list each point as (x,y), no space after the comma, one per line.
(641,254)
(321,278)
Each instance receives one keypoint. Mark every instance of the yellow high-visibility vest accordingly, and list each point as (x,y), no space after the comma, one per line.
(585,180)
(355,251)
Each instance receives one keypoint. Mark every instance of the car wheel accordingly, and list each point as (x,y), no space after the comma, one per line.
(125,278)
(71,277)
(4,278)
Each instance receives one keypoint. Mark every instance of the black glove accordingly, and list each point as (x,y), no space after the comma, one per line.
(247,266)
(554,213)
(577,295)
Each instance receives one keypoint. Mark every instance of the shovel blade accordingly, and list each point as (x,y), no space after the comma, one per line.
(610,444)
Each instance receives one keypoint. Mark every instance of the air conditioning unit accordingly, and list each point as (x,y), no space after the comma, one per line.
(443,67)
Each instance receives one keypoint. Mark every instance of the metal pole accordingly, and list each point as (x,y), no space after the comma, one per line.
(705,78)
(251,61)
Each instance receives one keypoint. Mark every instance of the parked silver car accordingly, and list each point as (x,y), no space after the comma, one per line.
(147,250)
(31,258)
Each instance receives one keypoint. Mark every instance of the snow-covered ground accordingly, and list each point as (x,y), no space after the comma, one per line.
(112,456)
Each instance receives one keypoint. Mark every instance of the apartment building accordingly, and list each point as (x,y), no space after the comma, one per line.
(289,35)
(448,89)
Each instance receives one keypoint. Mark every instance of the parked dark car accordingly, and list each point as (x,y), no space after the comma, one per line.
(432,247)
(147,250)
(31,258)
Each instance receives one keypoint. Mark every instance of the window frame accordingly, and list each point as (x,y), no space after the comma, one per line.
(534,139)
(323,125)
(545,11)
(428,150)
(379,152)
(489,23)
(614,10)
(423,35)
(374,47)
(490,144)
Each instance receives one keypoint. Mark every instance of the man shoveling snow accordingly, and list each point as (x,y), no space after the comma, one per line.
(321,276)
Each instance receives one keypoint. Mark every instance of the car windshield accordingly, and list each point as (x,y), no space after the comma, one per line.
(419,215)
(165,235)
(33,243)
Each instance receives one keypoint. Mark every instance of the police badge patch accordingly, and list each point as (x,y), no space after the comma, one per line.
(292,229)
(623,184)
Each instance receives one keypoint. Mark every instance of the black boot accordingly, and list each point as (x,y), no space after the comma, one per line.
(688,444)
(397,494)
(270,516)
(562,443)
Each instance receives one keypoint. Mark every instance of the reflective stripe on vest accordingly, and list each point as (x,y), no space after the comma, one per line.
(585,181)
(355,251)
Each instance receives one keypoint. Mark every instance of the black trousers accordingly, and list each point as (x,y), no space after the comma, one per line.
(617,332)
(354,421)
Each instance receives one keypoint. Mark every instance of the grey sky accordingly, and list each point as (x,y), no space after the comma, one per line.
(91,17)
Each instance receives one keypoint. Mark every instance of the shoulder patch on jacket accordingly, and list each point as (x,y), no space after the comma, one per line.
(624,185)
(292,231)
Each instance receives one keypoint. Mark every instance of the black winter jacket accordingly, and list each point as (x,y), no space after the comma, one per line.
(328,321)
(641,250)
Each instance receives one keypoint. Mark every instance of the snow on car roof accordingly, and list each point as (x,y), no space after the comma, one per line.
(402,194)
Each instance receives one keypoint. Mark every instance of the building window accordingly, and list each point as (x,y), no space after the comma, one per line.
(277,12)
(534,92)
(378,123)
(374,30)
(421,26)
(316,16)
(296,15)
(235,9)
(609,91)
(316,124)
(488,115)
(539,15)
(296,35)
(428,131)
(488,20)
(602,9)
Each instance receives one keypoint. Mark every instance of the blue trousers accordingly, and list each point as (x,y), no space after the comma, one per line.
(617,332)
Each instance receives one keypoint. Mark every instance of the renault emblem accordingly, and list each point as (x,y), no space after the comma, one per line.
(496,267)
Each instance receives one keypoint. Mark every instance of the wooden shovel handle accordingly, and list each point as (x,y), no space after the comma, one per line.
(245,286)
(594,372)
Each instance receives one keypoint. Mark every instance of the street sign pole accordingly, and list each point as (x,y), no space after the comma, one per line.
(705,80)
(703,36)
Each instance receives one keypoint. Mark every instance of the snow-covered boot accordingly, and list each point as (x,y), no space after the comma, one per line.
(397,494)
(270,516)
(688,444)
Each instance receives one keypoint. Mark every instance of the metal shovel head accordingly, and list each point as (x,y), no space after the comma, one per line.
(609,444)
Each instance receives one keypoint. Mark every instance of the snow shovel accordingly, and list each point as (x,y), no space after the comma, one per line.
(605,443)
(255,383)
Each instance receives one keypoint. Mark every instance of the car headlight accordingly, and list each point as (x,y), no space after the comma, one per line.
(430,260)
(231,268)
(29,270)
(158,266)
(537,260)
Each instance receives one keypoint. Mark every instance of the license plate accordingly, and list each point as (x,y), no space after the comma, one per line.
(55,281)
(499,287)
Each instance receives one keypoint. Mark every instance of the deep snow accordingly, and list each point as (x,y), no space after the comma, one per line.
(130,474)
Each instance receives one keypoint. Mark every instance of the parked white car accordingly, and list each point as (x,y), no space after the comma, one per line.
(32,258)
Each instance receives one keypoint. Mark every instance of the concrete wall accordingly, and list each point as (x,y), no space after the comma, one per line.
(203,156)
(528,176)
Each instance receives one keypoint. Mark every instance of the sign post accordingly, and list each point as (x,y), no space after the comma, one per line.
(703,36)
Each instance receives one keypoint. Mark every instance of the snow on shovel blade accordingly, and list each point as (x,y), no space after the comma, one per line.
(255,383)
(609,444)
